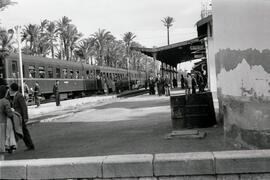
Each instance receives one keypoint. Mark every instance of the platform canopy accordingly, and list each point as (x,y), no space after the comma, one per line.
(174,54)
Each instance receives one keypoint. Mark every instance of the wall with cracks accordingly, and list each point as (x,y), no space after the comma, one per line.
(242,54)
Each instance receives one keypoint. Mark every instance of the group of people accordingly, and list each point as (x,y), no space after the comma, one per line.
(37,93)
(163,84)
(102,84)
(13,119)
(192,81)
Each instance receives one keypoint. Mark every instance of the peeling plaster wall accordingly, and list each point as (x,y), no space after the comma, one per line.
(241,32)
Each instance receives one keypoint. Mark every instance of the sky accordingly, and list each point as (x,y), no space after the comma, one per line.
(142,17)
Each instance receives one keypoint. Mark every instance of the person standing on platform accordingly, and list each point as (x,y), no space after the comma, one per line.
(160,84)
(167,85)
(5,119)
(20,106)
(193,84)
(182,82)
(188,83)
(37,94)
(56,93)
(175,85)
(200,82)
(105,86)
(99,83)
(26,91)
(152,85)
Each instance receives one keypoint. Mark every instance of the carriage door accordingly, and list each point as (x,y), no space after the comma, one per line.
(14,70)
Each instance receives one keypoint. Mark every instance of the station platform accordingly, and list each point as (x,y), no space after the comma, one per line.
(135,125)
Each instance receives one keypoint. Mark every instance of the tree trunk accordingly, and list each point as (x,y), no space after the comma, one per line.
(168,35)
(52,50)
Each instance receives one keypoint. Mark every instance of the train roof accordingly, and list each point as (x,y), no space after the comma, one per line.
(58,62)
(39,59)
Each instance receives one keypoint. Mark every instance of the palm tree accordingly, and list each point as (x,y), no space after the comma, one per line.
(43,44)
(6,42)
(102,37)
(50,33)
(128,38)
(72,37)
(5,3)
(43,25)
(167,21)
(85,50)
(62,25)
(31,33)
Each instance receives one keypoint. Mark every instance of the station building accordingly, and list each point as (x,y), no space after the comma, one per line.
(234,40)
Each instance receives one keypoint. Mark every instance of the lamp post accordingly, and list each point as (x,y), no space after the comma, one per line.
(128,73)
(128,59)
(18,33)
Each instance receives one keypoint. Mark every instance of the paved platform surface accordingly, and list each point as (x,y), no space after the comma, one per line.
(124,126)
(68,106)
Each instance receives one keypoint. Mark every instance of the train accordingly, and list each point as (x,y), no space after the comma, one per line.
(76,78)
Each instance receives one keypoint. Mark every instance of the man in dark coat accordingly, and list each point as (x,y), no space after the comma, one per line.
(56,93)
(151,85)
(175,84)
(160,84)
(194,84)
(167,85)
(37,94)
(20,106)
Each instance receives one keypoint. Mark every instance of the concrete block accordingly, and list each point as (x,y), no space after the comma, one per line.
(125,178)
(198,163)
(237,162)
(204,177)
(200,177)
(85,167)
(172,178)
(138,165)
(13,169)
(255,176)
(228,177)
(148,178)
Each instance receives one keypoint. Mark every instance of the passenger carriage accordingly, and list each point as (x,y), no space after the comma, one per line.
(75,78)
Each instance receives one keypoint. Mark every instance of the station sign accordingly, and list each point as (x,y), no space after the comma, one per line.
(198,56)
(198,47)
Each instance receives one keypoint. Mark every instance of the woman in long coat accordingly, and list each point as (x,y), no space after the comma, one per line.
(7,136)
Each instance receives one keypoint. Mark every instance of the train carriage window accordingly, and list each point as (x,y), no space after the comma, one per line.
(77,74)
(71,74)
(87,74)
(41,72)
(58,73)
(14,67)
(65,74)
(32,71)
(50,72)
(92,76)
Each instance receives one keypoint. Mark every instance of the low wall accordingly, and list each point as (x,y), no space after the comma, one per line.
(223,165)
